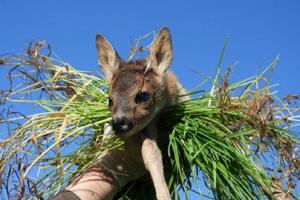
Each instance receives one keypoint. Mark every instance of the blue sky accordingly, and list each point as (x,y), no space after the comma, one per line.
(257,31)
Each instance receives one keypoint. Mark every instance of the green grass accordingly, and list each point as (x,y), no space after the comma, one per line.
(222,138)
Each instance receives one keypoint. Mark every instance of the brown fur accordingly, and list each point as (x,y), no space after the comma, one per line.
(126,81)
(131,79)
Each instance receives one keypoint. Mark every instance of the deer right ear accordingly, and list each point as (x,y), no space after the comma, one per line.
(161,53)
(108,58)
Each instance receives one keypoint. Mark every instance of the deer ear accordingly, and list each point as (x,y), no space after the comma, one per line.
(161,53)
(108,58)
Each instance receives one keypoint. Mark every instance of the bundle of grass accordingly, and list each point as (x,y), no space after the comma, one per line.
(224,139)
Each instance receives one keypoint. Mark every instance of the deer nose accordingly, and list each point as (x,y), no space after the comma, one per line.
(121,125)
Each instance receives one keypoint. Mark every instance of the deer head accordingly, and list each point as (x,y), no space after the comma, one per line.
(137,89)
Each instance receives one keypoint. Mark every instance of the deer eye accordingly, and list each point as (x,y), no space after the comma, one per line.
(109,102)
(142,97)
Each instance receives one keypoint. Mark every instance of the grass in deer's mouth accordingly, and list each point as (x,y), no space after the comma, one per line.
(218,138)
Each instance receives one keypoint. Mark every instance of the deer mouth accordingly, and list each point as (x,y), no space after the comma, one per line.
(121,132)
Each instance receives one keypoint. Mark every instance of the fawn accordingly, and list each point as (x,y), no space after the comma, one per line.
(138,91)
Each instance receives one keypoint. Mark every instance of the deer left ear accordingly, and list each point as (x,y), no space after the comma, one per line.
(108,58)
(161,53)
